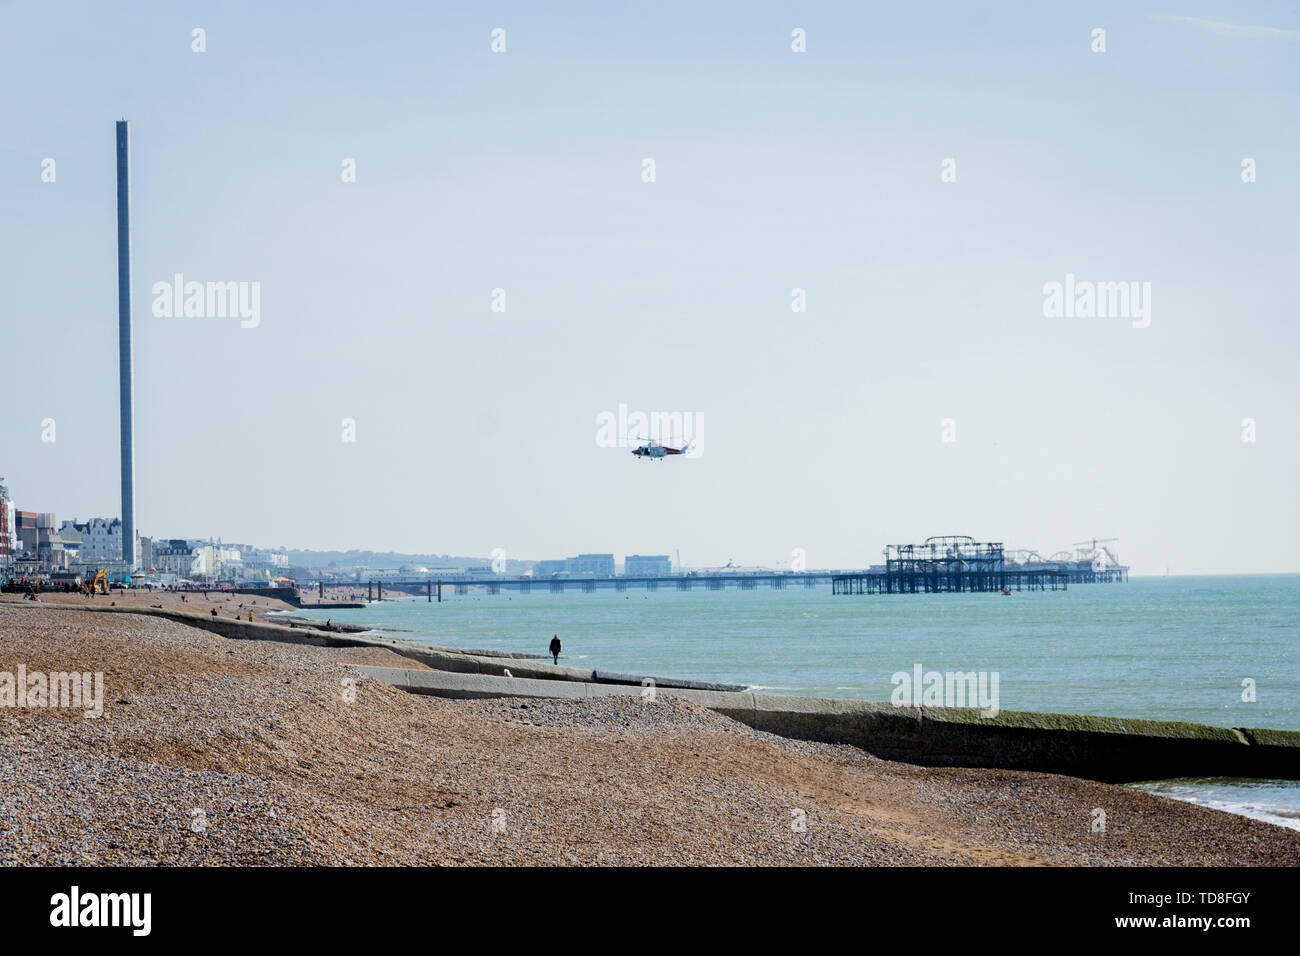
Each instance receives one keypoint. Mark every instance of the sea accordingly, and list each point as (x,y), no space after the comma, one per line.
(1221,650)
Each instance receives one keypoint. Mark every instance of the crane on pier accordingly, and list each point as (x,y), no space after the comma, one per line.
(1094,542)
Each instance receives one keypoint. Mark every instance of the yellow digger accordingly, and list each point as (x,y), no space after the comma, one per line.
(100,583)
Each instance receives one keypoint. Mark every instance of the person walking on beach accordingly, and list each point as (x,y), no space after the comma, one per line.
(555,649)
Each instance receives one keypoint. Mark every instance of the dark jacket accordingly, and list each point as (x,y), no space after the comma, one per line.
(555,645)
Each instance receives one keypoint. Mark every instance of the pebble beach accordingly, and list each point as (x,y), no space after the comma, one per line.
(213,752)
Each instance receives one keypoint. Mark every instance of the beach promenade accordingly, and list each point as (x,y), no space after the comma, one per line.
(219,751)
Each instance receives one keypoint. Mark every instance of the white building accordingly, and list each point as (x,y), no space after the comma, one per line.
(586,565)
(173,556)
(597,565)
(652,565)
(8,527)
(101,540)
(259,559)
(205,562)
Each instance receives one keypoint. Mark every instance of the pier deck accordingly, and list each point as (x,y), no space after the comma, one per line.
(940,565)
(885,582)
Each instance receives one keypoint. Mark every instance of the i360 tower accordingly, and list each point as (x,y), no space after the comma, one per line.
(125,381)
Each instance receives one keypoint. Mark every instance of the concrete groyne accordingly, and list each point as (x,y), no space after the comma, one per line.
(1108,749)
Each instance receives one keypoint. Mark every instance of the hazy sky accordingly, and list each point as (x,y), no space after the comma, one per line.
(775,170)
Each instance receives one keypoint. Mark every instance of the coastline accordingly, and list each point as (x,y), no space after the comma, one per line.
(260,738)
(1157,649)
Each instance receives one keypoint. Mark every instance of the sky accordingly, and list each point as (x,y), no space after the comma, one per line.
(922,390)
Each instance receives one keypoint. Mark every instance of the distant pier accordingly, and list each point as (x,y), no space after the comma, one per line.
(432,588)
(957,563)
(940,565)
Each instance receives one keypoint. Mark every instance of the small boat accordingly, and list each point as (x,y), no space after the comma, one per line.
(1006,592)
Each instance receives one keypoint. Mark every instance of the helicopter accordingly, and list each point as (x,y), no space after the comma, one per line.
(656,450)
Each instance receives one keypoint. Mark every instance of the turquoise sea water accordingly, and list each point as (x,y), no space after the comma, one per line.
(1274,801)
(1173,648)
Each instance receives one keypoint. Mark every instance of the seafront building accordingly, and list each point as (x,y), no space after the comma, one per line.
(603,566)
(39,539)
(101,540)
(197,559)
(71,533)
(596,565)
(35,544)
(8,532)
(260,558)
(588,565)
(173,556)
(655,565)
